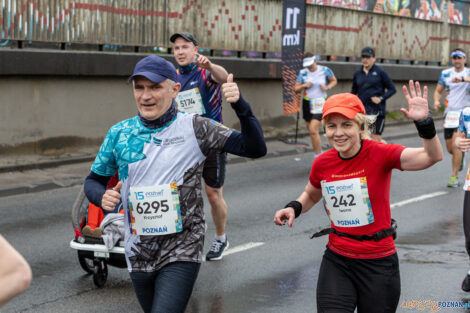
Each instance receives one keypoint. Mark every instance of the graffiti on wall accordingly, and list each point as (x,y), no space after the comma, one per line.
(432,10)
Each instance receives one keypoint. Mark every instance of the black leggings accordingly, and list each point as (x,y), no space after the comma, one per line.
(371,285)
(166,290)
(466,220)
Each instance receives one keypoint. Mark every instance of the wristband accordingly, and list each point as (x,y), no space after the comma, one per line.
(296,205)
(426,128)
(463,79)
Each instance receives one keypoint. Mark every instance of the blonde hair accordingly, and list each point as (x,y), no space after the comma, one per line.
(364,125)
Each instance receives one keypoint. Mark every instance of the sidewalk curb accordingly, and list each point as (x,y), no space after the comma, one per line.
(45,164)
(74,181)
(42,186)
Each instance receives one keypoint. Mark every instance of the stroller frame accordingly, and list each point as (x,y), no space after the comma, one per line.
(93,256)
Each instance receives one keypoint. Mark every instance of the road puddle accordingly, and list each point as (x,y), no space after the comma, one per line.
(423,254)
(438,233)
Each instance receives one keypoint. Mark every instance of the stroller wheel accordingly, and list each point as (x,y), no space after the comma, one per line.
(100,273)
(85,263)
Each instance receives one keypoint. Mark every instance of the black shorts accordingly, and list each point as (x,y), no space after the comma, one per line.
(449,132)
(379,125)
(306,112)
(371,285)
(214,169)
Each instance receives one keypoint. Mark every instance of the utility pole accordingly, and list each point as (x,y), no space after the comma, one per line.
(445,35)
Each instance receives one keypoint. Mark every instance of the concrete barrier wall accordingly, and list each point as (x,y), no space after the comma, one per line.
(51,100)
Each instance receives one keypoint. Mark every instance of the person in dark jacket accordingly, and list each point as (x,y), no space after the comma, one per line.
(373,86)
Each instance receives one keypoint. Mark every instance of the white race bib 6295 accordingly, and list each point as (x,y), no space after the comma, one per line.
(347,202)
(452,119)
(190,101)
(155,210)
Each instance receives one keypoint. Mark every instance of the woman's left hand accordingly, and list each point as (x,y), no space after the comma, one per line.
(418,108)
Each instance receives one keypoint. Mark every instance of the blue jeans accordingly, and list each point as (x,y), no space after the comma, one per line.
(166,290)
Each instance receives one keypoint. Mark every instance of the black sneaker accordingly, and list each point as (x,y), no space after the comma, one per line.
(466,283)
(217,250)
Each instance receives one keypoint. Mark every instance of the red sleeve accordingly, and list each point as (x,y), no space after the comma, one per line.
(314,177)
(392,154)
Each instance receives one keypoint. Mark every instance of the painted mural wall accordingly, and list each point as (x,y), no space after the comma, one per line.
(241,25)
(432,10)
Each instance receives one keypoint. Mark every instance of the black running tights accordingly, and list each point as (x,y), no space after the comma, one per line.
(466,220)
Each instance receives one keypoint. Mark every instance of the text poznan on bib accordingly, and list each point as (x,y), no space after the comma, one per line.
(155,210)
(347,202)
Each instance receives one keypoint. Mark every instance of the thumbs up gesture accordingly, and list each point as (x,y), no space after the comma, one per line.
(230,90)
(111,197)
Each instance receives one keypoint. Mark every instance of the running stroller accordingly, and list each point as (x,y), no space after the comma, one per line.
(93,255)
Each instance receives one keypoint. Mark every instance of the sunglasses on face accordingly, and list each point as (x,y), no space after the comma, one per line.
(457,58)
(366,56)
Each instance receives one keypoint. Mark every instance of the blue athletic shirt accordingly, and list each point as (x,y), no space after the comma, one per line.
(192,76)
(458,94)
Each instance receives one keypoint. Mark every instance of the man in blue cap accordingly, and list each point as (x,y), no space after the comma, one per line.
(159,155)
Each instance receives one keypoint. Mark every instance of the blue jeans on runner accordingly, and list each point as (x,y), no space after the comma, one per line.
(167,290)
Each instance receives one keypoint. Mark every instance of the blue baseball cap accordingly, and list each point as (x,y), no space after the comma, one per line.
(155,69)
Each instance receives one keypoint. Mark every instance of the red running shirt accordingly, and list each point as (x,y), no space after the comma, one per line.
(375,161)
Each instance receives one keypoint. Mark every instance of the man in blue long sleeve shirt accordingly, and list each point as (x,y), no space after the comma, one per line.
(373,86)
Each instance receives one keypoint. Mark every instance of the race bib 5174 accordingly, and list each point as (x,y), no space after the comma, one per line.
(190,101)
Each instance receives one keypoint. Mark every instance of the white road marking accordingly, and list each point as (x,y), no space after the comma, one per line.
(243,247)
(419,198)
(240,248)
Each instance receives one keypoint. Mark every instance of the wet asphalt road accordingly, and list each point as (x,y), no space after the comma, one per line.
(278,275)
